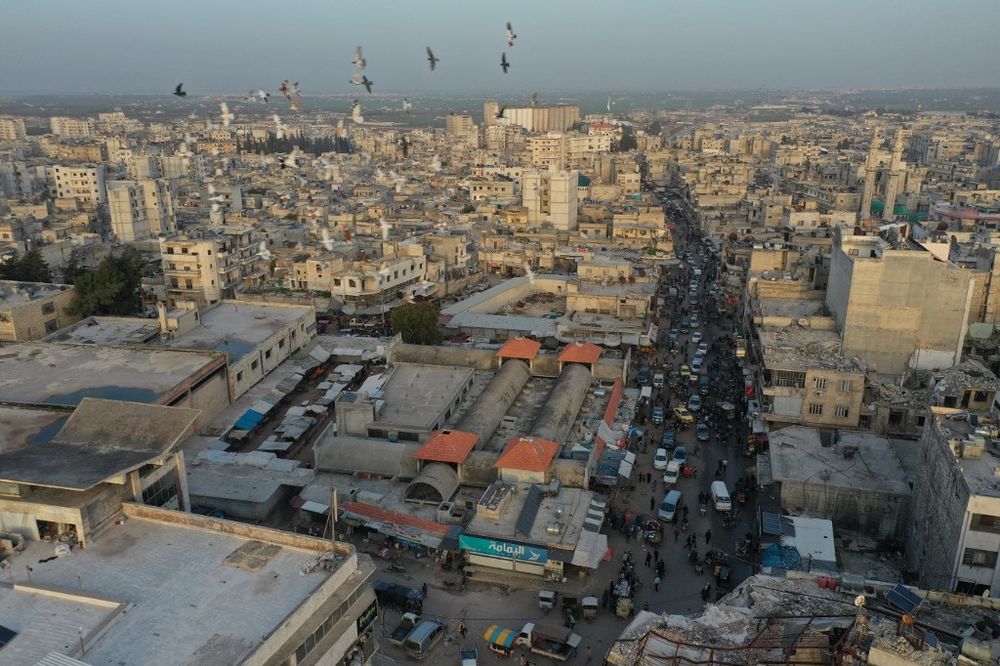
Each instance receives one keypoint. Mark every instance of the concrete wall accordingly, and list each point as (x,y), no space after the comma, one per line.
(480,359)
(555,418)
(485,414)
(838,285)
(878,515)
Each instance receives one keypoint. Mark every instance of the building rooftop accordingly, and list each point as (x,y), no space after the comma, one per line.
(16,294)
(416,396)
(450,446)
(528,453)
(522,348)
(163,587)
(981,474)
(108,331)
(102,439)
(580,352)
(569,509)
(236,328)
(858,460)
(63,374)
(795,347)
(24,426)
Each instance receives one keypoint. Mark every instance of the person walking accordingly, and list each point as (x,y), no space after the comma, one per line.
(706,591)
(461,628)
(590,654)
(708,537)
(423,588)
(677,534)
(649,558)
(652,503)
(656,556)
(656,584)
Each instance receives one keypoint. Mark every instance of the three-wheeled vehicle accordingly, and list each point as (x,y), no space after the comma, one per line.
(500,640)
(689,470)
(722,576)
(547,600)
(654,531)
(571,611)
(589,606)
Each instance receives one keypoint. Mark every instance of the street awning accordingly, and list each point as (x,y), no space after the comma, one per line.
(500,636)
(590,549)
(250,420)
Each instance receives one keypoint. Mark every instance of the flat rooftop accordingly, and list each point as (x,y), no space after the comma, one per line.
(190,598)
(798,456)
(236,328)
(109,331)
(793,308)
(21,426)
(979,473)
(568,508)
(61,374)
(16,294)
(795,347)
(416,395)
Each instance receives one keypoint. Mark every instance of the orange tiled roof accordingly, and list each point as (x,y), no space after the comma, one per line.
(531,454)
(580,352)
(524,348)
(449,446)
(382,515)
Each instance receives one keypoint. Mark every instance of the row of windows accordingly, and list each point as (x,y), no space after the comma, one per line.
(973,557)
(846,385)
(841,411)
(983,523)
(314,639)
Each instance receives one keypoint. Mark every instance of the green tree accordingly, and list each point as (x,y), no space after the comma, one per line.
(417,323)
(29,267)
(628,141)
(72,269)
(112,288)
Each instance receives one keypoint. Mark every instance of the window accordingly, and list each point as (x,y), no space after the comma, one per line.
(843,411)
(819,383)
(281,343)
(254,364)
(979,558)
(846,385)
(239,376)
(48,308)
(815,408)
(983,523)
(920,421)
(267,354)
(51,326)
(980,396)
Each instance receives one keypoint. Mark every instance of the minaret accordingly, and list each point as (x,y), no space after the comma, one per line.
(871,170)
(896,171)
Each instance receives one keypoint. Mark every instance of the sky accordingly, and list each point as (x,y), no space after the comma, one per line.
(228,46)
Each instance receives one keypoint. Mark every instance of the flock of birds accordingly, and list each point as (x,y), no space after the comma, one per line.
(359,78)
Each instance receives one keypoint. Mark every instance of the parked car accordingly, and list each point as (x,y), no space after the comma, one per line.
(672,473)
(668,440)
(658,415)
(681,455)
(660,459)
(696,337)
(670,506)
(694,402)
(673,334)
(683,415)
(703,432)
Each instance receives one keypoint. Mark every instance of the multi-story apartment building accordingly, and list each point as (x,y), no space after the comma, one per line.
(12,129)
(207,269)
(84,183)
(140,209)
(71,128)
(32,310)
(558,150)
(379,284)
(551,198)
(558,118)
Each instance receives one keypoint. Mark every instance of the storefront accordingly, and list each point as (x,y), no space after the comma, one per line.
(509,556)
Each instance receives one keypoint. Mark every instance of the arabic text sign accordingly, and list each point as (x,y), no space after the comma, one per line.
(510,551)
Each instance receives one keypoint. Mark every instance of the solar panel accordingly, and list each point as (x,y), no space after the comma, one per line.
(526,519)
(6,635)
(770,523)
(903,599)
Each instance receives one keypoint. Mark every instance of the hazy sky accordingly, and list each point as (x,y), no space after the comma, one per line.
(562,45)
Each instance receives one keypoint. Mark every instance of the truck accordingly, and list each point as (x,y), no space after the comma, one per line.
(404,598)
(403,629)
(553,642)
(469,657)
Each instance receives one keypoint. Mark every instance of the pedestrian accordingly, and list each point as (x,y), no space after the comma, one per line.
(654,485)
(677,534)
(708,537)
(656,584)
(649,558)
(423,588)
(461,627)
(652,503)
(590,654)
(706,591)
(656,555)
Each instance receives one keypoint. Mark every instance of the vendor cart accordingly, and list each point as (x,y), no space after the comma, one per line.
(589,605)
(500,640)
(624,608)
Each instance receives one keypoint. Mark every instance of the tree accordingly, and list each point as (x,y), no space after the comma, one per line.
(110,289)
(468,208)
(72,270)
(417,323)
(30,267)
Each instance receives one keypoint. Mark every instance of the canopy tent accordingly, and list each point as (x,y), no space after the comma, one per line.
(500,636)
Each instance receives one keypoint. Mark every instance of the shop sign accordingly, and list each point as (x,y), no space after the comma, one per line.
(511,551)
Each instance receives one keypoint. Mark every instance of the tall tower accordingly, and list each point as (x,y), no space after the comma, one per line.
(896,171)
(490,110)
(871,171)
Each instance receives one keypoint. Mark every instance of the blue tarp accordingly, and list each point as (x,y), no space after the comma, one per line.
(250,420)
(781,557)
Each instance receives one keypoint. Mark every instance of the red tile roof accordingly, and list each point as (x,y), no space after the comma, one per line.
(448,446)
(384,516)
(580,352)
(531,454)
(523,348)
(610,412)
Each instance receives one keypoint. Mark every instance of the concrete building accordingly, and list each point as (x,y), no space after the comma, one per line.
(171,587)
(68,484)
(550,198)
(71,128)
(211,267)
(32,310)
(953,536)
(858,482)
(897,308)
(12,129)
(140,209)
(557,118)
(85,183)
(372,287)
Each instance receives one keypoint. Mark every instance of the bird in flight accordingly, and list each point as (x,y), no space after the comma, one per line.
(289,90)
(356,115)
(263,95)
(407,104)
(279,127)
(359,61)
(431,59)
(367,83)
(504,65)
(534,99)
(501,111)
(510,35)
(179,92)
(226,116)
(404,144)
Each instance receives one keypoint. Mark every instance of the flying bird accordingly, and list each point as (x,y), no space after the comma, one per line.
(296,104)
(260,94)
(407,105)
(534,99)
(504,65)
(226,116)
(431,59)
(510,35)
(279,127)
(359,61)
(289,90)
(501,111)
(179,92)
(404,143)
(356,112)
(367,83)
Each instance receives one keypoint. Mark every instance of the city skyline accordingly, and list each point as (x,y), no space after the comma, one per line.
(675,46)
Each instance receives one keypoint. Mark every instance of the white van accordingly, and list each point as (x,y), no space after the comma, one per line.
(720,496)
